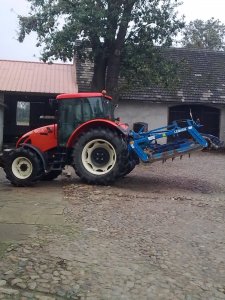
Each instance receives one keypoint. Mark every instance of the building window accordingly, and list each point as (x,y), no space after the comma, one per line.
(23,113)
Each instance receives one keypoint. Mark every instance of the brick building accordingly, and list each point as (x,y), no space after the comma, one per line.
(25,89)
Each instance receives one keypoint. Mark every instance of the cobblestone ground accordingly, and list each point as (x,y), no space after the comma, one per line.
(156,234)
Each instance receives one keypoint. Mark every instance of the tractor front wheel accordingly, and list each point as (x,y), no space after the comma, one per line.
(22,167)
(100,155)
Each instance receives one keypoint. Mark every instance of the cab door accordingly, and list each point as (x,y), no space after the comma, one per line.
(69,118)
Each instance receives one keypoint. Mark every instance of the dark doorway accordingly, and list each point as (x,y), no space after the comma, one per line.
(24,112)
(209,116)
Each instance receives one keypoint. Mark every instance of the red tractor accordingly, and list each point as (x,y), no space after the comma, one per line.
(86,136)
(98,146)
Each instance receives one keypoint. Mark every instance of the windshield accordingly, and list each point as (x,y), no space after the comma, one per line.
(100,108)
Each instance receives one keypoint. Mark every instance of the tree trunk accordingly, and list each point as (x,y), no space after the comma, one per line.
(98,79)
(113,76)
(113,69)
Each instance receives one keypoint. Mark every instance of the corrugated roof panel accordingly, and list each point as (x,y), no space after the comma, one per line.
(35,77)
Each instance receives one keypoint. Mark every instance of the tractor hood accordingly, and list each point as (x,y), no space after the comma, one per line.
(36,135)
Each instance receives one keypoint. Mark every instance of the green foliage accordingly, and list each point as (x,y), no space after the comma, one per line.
(152,66)
(117,32)
(204,35)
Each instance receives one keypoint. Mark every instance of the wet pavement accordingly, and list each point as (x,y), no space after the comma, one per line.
(157,234)
(23,209)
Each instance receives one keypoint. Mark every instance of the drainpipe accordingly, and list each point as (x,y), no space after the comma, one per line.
(1,120)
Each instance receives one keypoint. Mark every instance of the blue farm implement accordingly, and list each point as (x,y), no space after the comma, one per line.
(148,149)
(99,147)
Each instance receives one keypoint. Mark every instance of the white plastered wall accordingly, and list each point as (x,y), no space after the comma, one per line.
(155,114)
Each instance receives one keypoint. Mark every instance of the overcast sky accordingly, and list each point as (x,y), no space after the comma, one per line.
(11,49)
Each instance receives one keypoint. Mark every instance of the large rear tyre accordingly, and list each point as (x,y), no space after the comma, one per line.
(129,168)
(22,167)
(100,155)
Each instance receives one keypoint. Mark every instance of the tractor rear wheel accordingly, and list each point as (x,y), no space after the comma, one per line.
(129,168)
(22,167)
(100,155)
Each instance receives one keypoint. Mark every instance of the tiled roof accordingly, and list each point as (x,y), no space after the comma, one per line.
(202,74)
(37,77)
(202,79)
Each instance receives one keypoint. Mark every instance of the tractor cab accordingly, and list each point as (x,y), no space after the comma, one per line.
(77,109)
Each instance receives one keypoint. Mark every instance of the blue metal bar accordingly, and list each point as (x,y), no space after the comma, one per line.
(197,137)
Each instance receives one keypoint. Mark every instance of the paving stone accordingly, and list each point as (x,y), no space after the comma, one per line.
(32,285)
(8,291)
(21,285)
(2,283)
(16,280)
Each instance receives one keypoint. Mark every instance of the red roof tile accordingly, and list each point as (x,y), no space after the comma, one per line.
(37,77)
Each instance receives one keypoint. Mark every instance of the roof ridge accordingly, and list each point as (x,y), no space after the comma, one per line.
(195,50)
(34,62)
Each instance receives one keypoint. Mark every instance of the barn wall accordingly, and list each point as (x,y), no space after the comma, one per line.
(156,115)
(1,119)
(222,124)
